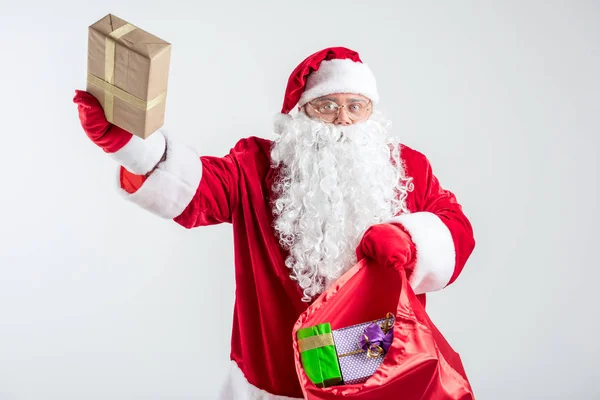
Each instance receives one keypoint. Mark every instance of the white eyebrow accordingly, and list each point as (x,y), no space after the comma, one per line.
(327,99)
(355,100)
(335,101)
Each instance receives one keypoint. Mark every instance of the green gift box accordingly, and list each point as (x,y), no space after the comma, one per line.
(318,355)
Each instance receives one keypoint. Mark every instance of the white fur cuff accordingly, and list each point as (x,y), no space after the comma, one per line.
(171,186)
(435,251)
(139,156)
(237,387)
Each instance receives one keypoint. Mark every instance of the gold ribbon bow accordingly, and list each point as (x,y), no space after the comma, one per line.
(378,351)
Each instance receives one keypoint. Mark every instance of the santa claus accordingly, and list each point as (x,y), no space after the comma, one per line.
(332,187)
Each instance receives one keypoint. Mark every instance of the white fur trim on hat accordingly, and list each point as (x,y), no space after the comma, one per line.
(340,76)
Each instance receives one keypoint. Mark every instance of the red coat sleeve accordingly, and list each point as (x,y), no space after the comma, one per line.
(216,195)
(440,230)
(192,190)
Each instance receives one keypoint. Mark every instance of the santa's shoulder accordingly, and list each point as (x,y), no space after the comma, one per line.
(252,153)
(252,146)
(413,159)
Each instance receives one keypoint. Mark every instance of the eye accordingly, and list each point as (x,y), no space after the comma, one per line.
(356,106)
(327,107)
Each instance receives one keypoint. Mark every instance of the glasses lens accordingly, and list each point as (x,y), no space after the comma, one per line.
(357,110)
(327,108)
(328,111)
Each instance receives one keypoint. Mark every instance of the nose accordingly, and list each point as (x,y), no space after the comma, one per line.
(342,118)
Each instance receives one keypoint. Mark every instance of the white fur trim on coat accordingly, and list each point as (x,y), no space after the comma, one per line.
(172,185)
(237,387)
(340,76)
(435,251)
(139,156)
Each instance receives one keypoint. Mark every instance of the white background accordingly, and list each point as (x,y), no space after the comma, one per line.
(102,300)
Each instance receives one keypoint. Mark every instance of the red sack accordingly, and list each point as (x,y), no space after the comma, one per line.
(420,364)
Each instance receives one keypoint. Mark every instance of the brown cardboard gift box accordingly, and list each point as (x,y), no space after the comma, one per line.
(128,70)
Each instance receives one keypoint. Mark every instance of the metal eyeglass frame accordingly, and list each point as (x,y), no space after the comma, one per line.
(338,108)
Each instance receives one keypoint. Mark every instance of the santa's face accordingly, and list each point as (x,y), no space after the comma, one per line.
(339,108)
(335,180)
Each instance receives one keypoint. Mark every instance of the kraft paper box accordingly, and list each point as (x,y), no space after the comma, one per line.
(128,71)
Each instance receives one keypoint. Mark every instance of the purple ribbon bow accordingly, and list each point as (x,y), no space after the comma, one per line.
(375,341)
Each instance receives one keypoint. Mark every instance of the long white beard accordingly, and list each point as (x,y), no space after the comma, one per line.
(334,182)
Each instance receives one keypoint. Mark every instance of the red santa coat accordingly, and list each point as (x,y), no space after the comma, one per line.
(198,190)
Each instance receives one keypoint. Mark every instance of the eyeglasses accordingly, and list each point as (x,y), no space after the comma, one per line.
(329,110)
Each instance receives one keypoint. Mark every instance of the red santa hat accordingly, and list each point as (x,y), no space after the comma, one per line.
(331,70)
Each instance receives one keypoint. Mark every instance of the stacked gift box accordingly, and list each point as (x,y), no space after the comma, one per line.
(344,356)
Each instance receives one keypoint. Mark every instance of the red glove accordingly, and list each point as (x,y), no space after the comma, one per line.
(108,137)
(137,155)
(389,245)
